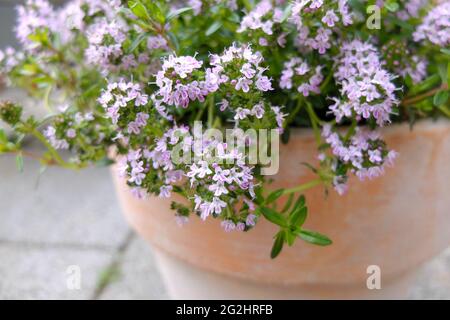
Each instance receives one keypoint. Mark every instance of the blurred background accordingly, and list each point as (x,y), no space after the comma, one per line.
(53,221)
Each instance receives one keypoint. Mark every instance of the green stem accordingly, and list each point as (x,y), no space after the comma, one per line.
(217,123)
(200,113)
(423,96)
(303,187)
(444,111)
(59,160)
(327,80)
(47,98)
(293,113)
(351,130)
(315,122)
(210,111)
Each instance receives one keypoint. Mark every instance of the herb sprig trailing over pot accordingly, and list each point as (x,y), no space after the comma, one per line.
(137,76)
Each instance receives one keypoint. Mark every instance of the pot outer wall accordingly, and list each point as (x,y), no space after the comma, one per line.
(395,222)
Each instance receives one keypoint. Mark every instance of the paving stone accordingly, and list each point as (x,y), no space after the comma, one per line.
(34,272)
(139,278)
(74,207)
(434,280)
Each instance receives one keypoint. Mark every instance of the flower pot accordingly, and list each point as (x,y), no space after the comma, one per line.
(395,222)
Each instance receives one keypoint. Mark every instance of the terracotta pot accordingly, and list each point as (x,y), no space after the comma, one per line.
(396,222)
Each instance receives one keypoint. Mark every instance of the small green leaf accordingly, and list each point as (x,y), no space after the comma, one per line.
(19,162)
(298,217)
(274,217)
(3,136)
(288,203)
(290,237)
(445,51)
(314,237)
(426,84)
(301,201)
(104,162)
(139,10)
(277,245)
(273,196)
(409,81)
(137,42)
(156,12)
(213,28)
(392,6)
(286,13)
(442,70)
(176,13)
(174,40)
(448,75)
(440,98)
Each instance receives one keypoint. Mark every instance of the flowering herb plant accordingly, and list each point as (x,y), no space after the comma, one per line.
(135,76)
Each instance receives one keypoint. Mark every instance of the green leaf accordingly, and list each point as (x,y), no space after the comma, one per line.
(105,162)
(290,237)
(174,40)
(409,81)
(448,74)
(3,136)
(277,245)
(155,11)
(314,237)
(298,217)
(273,196)
(213,28)
(392,6)
(139,10)
(440,98)
(29,69)
(445,51)
(137,41)
(427,84)
(443,69)
(19,162)
(288,203)
(286,13)
(176,13)
(301,201)
(274,217)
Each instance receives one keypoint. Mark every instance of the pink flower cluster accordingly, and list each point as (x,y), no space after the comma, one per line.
(416,69)
(367,89)
(244,64)
(123,94)
(263,18)
(182,80)
(299,74)
(411,9)
(365,154)
(140,162)
(9,59)
(57,143)
(177,84)
(220,171)
(40,15)
(317,19)
(105,46)
(436,26)
(32,16)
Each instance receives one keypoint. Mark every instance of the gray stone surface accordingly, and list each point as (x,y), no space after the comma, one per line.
(139,278)
(30,271)
(434,280)
(58,206)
